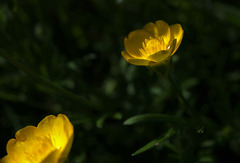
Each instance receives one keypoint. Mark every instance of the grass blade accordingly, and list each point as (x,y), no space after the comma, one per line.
(152,143)
(153,117)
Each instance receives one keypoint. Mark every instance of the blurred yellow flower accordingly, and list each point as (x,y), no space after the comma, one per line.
(49,142)
(153,44)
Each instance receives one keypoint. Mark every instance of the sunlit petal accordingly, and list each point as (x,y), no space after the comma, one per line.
(176,33)
(50,141)
(163,30)
(126,56)
(151,28)
(140,62)
(163,54)
(134,42)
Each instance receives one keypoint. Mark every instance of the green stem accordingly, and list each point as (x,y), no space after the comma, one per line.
(164,70)
(192,112)
(178,91)
(48,83)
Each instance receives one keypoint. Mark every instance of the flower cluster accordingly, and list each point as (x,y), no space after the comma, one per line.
(49,142)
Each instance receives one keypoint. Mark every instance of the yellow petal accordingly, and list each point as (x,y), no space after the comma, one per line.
(126,56)
(66,151)
(46,124)
(151,28)
(134,42)
(163,30)
(141,62)
(51,141)
(26,133)
(68,129)
(24,138)
(163,54)
(176,33)
(58,128)
(7,159)
(60,131)
(30,145)
(52,157)
(136,61)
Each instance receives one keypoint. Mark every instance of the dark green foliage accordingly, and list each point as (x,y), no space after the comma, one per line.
(77,46)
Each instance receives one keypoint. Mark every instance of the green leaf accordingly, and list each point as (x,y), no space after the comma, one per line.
(154,142)
(154,117)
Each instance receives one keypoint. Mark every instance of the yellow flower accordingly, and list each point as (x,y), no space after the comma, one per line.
(153,44)
(49,142)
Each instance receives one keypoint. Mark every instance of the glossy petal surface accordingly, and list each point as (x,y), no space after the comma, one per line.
(134,42)
(163,30)
(152,44)
(141,62)
(176,33)
(163,54)
(50,141)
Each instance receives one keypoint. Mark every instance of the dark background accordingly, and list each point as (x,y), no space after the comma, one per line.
(77,45)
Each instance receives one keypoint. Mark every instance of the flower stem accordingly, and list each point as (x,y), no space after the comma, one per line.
(164,70)
(192,112)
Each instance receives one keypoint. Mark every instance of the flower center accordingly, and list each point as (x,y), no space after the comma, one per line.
(152,45)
